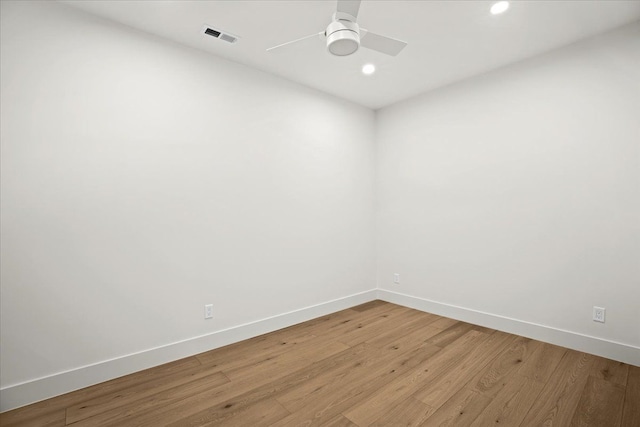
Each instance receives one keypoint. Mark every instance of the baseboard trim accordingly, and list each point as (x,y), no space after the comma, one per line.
(17,395)
(589,344)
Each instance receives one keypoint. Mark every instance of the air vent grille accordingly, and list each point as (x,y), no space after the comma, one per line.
(210,31)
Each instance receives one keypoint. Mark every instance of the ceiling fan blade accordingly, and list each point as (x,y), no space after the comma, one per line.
(350,7)
(382,44)
(295,41)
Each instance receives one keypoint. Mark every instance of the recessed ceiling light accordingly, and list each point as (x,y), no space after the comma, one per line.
(368,69)
(499,7)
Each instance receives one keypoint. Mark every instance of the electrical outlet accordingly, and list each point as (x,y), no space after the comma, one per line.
(208,311)
(598,314)
(396,278)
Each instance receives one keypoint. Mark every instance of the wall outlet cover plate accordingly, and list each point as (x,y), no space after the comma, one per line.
(598,314)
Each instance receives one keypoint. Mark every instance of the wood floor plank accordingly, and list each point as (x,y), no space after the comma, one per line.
(257,382)
(339,421)
(490,380)
(437,392)
(123,414)
(558,399)
(449,335)
(610,370)
(363,332)
(360,331)
(511,404)
(631,411)
(600,404)
(460,410)
(418,329)
(354,387)
(54,418)
(368,365)
(253,387)
(318,409)
(406,385)
(329,404)
(542,363)
(263,413)
(376,364)
(410,412)
(444,323)
(51,408)
(302,356)
(358,380)
(89,408)
(399,325)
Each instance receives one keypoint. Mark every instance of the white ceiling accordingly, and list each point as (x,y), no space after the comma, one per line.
(448,40)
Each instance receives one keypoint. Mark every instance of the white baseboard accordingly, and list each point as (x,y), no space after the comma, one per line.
(15,396)
(598,346)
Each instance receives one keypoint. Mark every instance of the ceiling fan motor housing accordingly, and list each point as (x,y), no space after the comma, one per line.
(343,37)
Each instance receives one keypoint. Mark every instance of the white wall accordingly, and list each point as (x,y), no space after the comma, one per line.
(517,193)
(142,180)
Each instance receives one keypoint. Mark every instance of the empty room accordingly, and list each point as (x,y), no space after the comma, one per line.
(320,213)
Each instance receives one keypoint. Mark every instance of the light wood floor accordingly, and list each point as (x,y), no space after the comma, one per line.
(375,364)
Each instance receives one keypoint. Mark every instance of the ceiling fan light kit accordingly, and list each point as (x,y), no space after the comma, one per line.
(343,37)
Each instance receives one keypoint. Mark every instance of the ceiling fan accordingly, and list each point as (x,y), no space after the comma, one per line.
(344,36)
